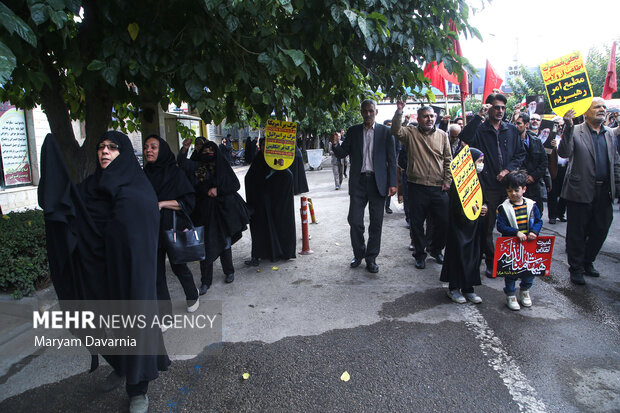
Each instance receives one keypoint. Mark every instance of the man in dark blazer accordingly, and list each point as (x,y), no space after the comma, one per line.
(372,177)
(535,161)
(591,182)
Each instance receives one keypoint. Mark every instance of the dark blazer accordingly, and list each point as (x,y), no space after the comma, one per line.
(384,157)
(580,179)
(535,159)
(481,135)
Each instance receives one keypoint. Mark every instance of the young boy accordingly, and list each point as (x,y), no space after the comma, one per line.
(518,217)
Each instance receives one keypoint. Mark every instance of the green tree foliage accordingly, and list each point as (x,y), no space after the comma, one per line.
(79,59)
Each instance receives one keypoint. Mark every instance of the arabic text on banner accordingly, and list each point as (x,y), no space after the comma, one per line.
(466,182)
(516,258)
(567,84)
(280,143)
(14,146)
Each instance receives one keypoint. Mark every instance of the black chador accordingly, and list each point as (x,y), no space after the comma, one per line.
(102,243)
(269,194)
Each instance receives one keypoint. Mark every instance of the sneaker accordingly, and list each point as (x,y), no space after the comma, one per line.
(139,404)
(456,296)
(111,382)
(192,305)
(473,298)
(524,298)
(512,303)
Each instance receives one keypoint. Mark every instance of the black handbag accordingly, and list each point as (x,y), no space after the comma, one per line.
(184,246)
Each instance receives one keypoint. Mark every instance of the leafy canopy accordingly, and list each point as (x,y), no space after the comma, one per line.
(222,55)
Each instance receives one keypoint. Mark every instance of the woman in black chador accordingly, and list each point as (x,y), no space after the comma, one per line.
(174,193)
(461,267)
(102,245)
(219,208)
(270,197)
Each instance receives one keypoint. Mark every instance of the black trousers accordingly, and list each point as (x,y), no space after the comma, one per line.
(587,227)
(206,268)
(493,199)
(137,389)
(556,205)
(534,192)
(422,201)
(185,278)
(366,193)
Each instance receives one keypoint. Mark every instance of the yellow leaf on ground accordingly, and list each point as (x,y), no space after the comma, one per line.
(274,268)
(345,376)
(246,376)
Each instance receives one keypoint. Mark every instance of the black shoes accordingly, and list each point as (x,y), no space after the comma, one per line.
(552,221)
(420,263)
(577,278)
(590,271)
(438,257)
(562,219)
(252,262)
(203,289)
(372,267)
(388,210)
(229,278)
(355,262)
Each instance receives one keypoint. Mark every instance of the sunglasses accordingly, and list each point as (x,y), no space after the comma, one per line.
(110,146)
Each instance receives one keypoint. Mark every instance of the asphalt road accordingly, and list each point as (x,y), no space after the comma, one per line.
(295,327)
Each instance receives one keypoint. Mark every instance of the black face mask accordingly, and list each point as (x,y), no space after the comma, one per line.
(206,157)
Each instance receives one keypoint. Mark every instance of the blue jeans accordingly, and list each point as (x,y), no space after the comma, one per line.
(526,284)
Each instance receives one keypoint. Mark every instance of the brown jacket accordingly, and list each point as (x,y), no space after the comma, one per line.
(428,155)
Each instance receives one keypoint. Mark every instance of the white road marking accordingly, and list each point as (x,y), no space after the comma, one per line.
(514,380)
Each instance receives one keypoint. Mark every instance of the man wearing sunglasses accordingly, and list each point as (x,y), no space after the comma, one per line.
(503,152)
(534,127)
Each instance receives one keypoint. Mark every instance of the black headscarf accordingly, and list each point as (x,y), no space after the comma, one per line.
(195,154)
(169,182)
(167,179)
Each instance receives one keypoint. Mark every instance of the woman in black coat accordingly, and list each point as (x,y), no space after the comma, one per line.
(102,243)
(219,208)
(269,194)
(461,267)
(174,193)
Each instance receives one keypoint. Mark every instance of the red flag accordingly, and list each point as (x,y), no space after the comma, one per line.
(611,83)
(491,81)
(464,84)
(431,71)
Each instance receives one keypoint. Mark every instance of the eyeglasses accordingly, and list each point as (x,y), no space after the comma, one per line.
(498,107)
(110,146)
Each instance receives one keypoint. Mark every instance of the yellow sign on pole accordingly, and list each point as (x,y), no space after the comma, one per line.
(467,184)
(567,84)
(280,143)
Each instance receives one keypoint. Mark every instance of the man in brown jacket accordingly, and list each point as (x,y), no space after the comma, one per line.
(591,182)
(428,179)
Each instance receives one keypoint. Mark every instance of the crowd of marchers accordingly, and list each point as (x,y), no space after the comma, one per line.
(106,235)
(575,170)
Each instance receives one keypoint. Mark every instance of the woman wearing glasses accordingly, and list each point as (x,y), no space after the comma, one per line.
(102,244)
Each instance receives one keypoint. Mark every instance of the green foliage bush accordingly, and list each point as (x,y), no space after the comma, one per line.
(23,254)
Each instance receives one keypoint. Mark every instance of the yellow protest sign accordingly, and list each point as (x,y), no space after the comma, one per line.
(466,182)
(567,84)
(280,143)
